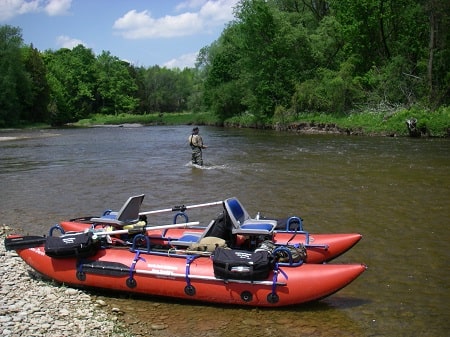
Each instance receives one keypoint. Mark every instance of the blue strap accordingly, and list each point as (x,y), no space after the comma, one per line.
(277,270)
(189,260)
(133,265)
(184,215)
(79,266)
(283,273)
(139,236)
(58,227)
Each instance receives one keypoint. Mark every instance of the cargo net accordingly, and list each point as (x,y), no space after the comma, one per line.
(290,254)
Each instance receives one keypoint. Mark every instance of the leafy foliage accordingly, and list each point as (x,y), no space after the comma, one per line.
(116,86)
(276,62)
(15,82)
(330,56)
(37,110)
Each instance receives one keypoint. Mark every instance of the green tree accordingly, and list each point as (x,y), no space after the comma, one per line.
(438,65)
(73,79)
(257,61)
(400,48)
(223,89)
(329,91)
(37,111)
(165,90)
(15,84)
(360,27)
(116,87)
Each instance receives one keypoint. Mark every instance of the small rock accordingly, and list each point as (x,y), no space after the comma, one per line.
(158,326)
(101,303)
(71,291)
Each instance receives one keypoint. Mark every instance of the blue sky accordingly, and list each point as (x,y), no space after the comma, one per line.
(144,32)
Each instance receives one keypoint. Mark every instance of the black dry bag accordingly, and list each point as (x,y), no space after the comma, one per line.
(78,245)
(241,264)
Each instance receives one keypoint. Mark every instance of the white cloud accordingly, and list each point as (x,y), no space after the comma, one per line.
(64,41)
(184,61)
(140,25)
(190,4)
(57,7)
(26,6)
(12,8)
(217,12)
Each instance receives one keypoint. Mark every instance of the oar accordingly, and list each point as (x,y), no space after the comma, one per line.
(127,231)
(177,225)
(16,242)
(23,242)
(118,269)
(181,208)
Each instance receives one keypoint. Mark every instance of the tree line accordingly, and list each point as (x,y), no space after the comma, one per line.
(276,60)
(280,58)
(66,85)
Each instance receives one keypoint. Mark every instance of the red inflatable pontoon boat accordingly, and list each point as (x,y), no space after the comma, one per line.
(196,276)
(234,225)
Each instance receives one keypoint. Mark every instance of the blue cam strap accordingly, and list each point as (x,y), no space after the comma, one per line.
(189,260)
(133,265)
(277,270)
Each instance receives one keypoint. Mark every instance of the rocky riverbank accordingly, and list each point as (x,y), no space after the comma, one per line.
(35,307)
(32,306)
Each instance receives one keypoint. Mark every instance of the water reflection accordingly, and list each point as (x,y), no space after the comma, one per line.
(198,319)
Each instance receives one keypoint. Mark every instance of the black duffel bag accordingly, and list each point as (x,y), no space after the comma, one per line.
(241,264)
(78,245)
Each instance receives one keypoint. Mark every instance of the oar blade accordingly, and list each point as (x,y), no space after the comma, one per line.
(23,242)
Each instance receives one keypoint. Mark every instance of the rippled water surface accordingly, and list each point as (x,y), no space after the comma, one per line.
(395,191)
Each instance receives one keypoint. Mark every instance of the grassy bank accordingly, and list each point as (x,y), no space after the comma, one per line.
(151,119)
(388,123)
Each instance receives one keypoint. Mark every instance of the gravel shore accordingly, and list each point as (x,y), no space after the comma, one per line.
(32,306)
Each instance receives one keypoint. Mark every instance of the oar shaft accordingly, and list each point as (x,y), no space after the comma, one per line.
(126,231)
(178,225)
(181,208)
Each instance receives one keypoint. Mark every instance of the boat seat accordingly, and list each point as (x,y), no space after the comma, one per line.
(190,238)
(243,224)
(127,215)
(187,239)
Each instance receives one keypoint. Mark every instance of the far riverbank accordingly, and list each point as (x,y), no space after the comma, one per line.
(384,123)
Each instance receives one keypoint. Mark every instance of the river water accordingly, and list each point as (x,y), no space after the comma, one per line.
(394,191)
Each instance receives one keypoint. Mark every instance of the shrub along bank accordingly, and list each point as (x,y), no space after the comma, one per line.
(381,123)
